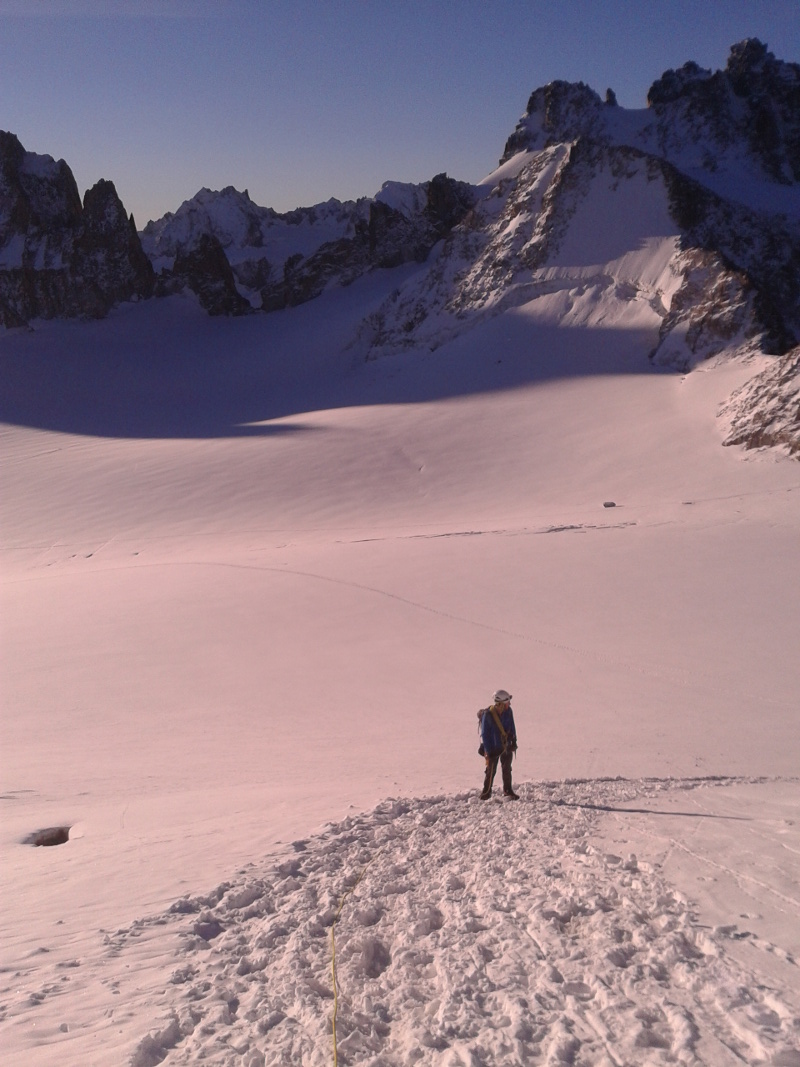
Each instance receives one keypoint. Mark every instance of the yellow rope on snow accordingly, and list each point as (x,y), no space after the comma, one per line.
(345,895)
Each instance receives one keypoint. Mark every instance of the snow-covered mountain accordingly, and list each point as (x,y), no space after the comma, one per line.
(686,214)
(682,218)
(282,260)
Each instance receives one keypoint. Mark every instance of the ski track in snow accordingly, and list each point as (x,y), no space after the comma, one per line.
(470,934)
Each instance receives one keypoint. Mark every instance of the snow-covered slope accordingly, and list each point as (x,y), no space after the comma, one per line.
(454,931)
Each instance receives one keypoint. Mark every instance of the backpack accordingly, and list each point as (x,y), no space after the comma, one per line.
(481,713)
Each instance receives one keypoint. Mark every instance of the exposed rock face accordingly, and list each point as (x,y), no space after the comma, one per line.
(283,260)
(557,112)
(763,251)
(755,101)
(205,269)
(765,412)
(696,118)
(59,257)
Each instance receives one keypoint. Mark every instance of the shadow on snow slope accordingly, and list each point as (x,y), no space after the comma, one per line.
(166,370)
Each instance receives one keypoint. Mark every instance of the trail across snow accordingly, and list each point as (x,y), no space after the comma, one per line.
(470,933)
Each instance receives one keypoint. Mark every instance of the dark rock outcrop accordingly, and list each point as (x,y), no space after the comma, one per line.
(759,250)
(205,269)
(755,102)
(557,112)
(765,412)
(59,257)
(387,237)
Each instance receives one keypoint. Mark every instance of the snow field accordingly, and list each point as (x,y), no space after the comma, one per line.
(257,584)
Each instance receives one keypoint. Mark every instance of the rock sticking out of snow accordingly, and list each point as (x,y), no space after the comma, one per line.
(53,835)
(765,411)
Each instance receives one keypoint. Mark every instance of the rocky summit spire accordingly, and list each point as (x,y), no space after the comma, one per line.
(59,257)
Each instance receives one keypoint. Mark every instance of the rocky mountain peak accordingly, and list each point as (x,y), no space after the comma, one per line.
(38,193)
(754,103)
(694,116)
(58,256)
(103,211)
(557,112)
(750,61)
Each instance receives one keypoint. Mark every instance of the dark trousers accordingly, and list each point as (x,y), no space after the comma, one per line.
(504,759)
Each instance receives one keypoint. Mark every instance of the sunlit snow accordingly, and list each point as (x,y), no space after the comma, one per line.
(255,590)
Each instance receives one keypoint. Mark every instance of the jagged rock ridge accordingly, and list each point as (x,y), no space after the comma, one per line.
(744,117)
(58,256)
(282,260)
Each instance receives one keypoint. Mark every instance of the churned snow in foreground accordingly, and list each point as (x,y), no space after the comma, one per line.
(468,932)
(254,591)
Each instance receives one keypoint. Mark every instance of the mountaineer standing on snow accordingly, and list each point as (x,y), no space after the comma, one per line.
(498,742)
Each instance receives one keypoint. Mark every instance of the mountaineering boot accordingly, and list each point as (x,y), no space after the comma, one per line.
(491,767)
(508,789)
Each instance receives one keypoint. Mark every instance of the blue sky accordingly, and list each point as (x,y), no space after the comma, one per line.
(301,100)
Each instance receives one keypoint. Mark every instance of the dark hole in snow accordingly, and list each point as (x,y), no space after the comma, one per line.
(53,835)
(609,504)
(208,930)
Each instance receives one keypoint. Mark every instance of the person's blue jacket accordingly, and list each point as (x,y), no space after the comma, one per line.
(492,738)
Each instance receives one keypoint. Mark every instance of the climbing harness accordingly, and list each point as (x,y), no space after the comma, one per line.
(496,716)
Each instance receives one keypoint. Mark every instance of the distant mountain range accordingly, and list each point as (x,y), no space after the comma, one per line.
(683,216)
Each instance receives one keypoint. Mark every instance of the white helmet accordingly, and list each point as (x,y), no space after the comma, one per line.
(501,696)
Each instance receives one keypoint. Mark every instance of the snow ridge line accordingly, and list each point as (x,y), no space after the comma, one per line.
(482,933)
